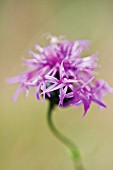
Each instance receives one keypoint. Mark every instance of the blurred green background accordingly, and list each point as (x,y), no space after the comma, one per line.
(25,140)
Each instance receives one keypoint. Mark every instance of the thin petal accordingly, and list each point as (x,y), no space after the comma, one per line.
(98,102)
(15,79)
(86,103)
(89,81)
(50,88)
(62,95)
(36,56)
(58,87)
(39,48)
(17,92)
(38,95)
(62,71)
(51,79)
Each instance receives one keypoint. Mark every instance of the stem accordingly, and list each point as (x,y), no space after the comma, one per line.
(75,154)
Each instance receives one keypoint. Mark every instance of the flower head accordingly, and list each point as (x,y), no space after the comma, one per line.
(61,74)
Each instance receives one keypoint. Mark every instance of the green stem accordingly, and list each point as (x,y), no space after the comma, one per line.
(75,154)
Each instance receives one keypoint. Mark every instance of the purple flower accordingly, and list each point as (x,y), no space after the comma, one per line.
(61,74)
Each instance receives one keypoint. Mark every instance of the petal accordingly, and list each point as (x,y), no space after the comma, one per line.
(15,79)
(39,48)
(84,43)
(36,56)
(38,94)
(62,95)
(70,80)
(17,92)
(89,62)
(52,72)
(58,87)
(75,46)
(50,88)
(98,102)
(52,79)
(69,95)
(31,62)
(101,88)
(89,81)
(86,103)
(62,71)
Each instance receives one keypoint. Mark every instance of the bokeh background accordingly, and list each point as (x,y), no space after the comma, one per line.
(25,140)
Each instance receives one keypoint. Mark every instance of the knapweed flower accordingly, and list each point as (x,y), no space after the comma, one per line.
(61,74)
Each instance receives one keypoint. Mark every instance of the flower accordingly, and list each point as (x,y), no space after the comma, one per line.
(61,74)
